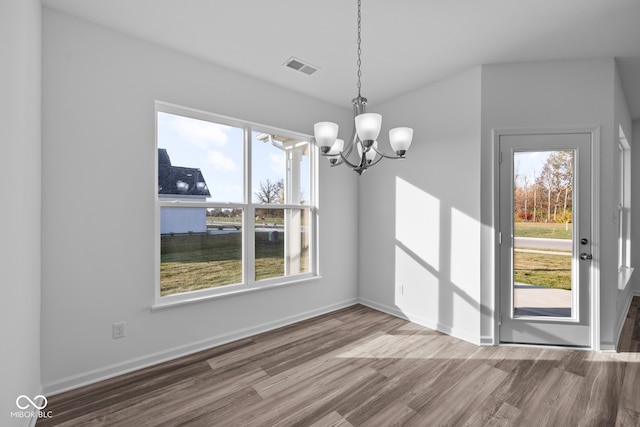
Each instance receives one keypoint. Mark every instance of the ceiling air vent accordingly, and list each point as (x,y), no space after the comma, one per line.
(301,66)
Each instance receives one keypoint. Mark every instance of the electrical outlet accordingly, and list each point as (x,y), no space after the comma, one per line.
(117,330)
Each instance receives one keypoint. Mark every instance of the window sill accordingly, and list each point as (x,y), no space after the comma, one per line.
(624,276)
(164,305)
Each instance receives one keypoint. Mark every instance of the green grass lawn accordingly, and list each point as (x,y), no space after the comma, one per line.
(543,229)
(199,261)
(238,220)
(548,270)
(202,261)
(553,271)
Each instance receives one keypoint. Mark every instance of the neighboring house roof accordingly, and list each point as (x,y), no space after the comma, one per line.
(178,180)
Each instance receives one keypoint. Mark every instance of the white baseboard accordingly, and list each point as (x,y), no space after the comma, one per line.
(457,333)
(96,375)
(620,324)
(487,340)
(608,347)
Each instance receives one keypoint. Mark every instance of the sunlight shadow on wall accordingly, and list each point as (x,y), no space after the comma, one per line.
(418,284)
(417,252)
(465,264)
(418,222)
(437,263)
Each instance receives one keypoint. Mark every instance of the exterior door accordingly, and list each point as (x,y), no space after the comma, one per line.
(545,239)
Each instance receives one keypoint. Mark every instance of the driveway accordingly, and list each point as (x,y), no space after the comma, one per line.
(543,243)
(532,300)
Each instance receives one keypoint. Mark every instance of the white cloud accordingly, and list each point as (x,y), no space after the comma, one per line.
(227,193)
(219,160)
(200,133)
(229,189)
(276,162)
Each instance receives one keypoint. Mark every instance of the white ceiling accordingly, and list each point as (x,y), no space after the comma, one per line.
(406,44)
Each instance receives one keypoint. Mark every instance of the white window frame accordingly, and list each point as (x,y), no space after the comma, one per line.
(248,207)
(624,211)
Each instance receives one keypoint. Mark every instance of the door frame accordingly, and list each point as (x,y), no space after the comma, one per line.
(594,131)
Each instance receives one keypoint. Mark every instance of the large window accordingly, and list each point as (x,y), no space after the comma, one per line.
(235,205)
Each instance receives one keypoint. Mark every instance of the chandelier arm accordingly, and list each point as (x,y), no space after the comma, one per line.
(338,162)
(345,153)
(386,156)
(345,160)
(352,143)
(357,107)
(376,161)
(363,161)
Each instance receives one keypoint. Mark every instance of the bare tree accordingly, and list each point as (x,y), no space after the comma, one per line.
(270,192)
(535,196)
(555,183)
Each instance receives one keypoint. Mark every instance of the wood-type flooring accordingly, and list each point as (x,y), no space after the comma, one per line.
(361,367)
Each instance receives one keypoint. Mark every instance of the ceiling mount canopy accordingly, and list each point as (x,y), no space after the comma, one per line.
(365,132)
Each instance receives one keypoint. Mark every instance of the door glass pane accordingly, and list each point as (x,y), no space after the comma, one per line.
(282,242)
(543,273)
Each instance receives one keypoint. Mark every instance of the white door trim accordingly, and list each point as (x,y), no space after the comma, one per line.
(594,131)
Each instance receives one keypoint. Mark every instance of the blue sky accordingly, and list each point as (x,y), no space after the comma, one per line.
(217,150)
(530,163)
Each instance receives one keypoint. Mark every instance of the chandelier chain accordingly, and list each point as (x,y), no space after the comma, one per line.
(359,49)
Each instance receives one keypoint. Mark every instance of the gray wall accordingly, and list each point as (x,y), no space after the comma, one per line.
(635,206)
(20,192)
(420,217)
(99,89)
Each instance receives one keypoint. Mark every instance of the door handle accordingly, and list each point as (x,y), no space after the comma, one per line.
(586,256)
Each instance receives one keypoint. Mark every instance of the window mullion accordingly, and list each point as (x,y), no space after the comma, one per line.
(248,254)
(313,205)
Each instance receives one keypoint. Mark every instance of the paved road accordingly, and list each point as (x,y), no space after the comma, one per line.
(535,242)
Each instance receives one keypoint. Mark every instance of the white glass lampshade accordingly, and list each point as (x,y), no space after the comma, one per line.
(371,154)
(336,148)
(325,133)
(400,139)
(334,152)
(368,126)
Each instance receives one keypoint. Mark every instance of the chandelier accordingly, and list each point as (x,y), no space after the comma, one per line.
(365,133)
